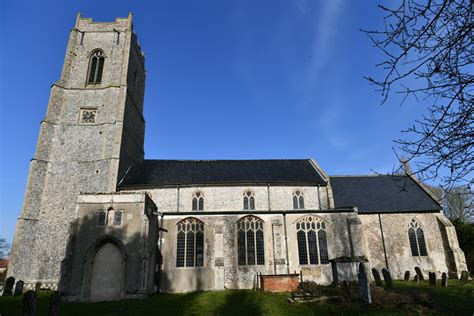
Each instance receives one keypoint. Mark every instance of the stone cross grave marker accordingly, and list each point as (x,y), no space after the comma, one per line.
(388,278)
(7,290)
(407,276)
(432,278)
(444,280)
(377,278)
(18,288)
(29,304)
(420,274)
(364,286)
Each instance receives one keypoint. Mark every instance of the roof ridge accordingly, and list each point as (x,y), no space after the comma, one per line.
(220,160)
(366,175)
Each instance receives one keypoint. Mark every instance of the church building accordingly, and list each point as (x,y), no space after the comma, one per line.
(100,222)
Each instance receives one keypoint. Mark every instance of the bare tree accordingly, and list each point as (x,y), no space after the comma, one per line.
(4,248)
(458,204)
(429,51)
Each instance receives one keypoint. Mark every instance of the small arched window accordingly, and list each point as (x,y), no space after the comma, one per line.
(298,200)
(96,66)
(190,243)
(110,217)
(417,239)
(250,243)
(198,202)
(312,242)
(249,200)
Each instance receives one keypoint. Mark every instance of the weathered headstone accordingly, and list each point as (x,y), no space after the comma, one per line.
(444,280)
(54,304)
(432,278)
(420,274)
(464,276)
(29,304)
(7,290)
(388,278)
(18,288)
(416,279)
(37,287)
(407,276)
(377,278)
(364,286)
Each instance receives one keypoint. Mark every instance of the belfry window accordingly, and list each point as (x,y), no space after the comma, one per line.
(96,66)
(417,239)
(110,217)
(250,243)
(198,202)
(102,218)
(190,243)
(249,200)
(298,200)
(312,242)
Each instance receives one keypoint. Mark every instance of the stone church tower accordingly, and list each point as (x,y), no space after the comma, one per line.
(92,133)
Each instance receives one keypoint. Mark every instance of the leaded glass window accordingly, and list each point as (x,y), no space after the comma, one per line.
(118,218)
(198,202)
(417,239)
(249,200)
(96,66)
(102,218)
(298,200)
(190,243)
(312,242)
(250,241)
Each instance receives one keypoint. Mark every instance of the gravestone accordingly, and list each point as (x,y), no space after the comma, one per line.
(364,286)
(37,287)
(420,274)
(444,280)
(54,304)
(407,276)
(432,278)
(377,278)
(7,290)
(464,276)
(388,278)
(29,304)
(18,288)
(416,278)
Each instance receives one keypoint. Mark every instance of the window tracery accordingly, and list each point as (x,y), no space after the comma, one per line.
(312,241)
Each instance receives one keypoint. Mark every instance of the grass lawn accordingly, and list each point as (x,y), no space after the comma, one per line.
(456,299)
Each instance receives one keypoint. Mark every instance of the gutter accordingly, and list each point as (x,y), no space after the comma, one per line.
(289,212)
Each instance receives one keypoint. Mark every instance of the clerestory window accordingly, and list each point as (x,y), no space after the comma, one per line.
(197,202)
(417,239)
(298,200)
(312,242)
(249,200)
(190,243)
(96,67)
(250,243)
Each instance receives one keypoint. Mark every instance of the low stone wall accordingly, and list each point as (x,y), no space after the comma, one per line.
(280,283)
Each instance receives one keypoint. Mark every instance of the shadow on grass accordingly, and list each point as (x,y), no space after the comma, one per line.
(241,302)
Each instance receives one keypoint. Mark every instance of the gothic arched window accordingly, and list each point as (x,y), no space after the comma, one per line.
(249,200)
(198,202)
(96,66)
(312,242)
(250,243)
(190,243)
(417,239)
(298,200)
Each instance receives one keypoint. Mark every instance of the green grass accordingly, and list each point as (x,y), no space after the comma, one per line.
(456,299)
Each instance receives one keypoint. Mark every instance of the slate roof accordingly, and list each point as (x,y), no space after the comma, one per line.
(158,173)
(381,193)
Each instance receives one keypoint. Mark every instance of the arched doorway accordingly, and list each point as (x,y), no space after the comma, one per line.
(106,274)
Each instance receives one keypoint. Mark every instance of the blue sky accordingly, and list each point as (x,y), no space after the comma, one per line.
(225,80)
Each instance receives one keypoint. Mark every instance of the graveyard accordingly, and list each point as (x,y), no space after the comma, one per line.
(404,297)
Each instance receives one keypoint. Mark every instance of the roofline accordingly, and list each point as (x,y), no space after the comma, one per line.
(319,169)
(220,160)
(372,175)
(217,184)
(398,211)
(424,188)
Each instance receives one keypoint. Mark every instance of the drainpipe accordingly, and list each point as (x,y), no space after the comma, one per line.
(268,196)
(286,246)
(383,243)
(177,199)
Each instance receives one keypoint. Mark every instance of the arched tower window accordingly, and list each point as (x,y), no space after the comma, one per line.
(190,243)
(312,242)
(96,66)
(198,202)
(298,200)
(417,239)
(249,200)
(250,243)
